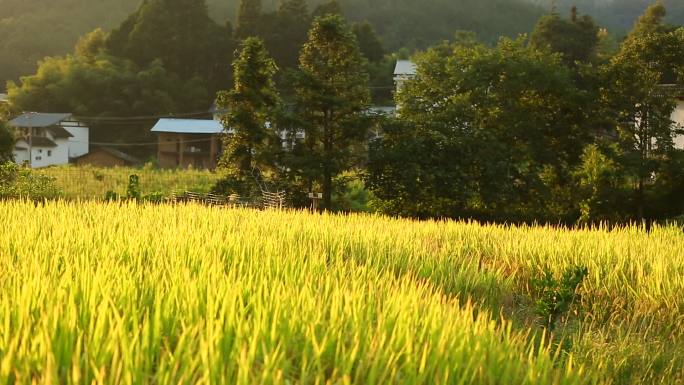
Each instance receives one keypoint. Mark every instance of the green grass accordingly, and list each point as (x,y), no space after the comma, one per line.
(89,182)
(135,294)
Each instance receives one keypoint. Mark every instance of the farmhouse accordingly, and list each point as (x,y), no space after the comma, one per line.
(107,157)
(49,139)
(184,143)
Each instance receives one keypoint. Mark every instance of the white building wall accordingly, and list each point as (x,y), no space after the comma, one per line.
(43,156)
(79,143)
(678,118)
(20,156)
(60,154)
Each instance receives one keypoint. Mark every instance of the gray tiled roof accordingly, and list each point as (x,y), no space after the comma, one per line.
(41,141)
(38,119)
(60,132)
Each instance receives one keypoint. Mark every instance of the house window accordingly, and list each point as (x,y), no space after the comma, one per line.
(40,151)
(39,158)
(49,152)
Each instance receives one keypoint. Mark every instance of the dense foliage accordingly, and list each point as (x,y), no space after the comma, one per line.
(17,182)
(537,132)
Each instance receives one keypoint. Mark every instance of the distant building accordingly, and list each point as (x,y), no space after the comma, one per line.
(107,157)
(184,143)
(678,117)
(676,92)
(4,98)
(403,71)
(49,139)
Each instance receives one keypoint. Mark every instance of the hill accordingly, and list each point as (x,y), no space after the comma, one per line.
(33,29)
(616,15)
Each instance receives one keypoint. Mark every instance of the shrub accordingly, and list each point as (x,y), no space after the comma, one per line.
(557,296)
(18,182)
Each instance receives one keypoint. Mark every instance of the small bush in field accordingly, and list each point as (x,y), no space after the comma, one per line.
(556,296)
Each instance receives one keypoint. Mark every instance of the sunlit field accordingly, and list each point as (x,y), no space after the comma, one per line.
(123,293)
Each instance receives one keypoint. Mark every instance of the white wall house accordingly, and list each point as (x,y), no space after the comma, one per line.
(48,139)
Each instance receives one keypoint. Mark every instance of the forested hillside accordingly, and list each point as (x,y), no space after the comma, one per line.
(616,15)
(33,29)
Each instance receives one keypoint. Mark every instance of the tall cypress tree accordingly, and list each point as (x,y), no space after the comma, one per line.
(252,105)
(249,15)
(332,97)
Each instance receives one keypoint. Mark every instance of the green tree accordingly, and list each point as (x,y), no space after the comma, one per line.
(576,39)
(248,19)
(92,44)
(603,196)
(252,107)
(332,97)
(498,131)
(651,21)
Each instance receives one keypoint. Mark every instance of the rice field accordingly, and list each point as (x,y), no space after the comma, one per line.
(120,293)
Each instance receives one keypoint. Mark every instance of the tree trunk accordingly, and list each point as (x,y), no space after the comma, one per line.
(327,166)
(327,187)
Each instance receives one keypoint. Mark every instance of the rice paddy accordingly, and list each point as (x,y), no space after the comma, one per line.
(121,293)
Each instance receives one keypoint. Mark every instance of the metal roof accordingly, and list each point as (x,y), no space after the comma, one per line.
(188,126)
(383,110)
(38,120)
(405,67)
